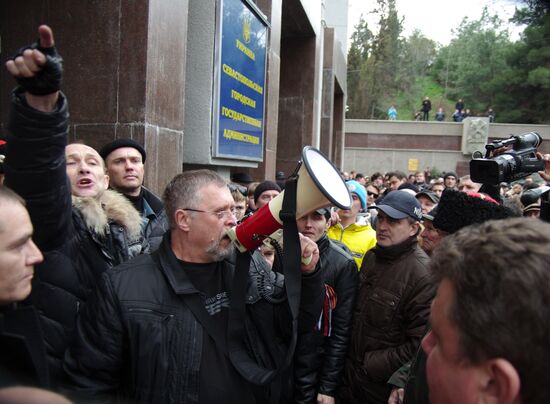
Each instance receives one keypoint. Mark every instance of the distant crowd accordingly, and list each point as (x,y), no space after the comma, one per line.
(460,113)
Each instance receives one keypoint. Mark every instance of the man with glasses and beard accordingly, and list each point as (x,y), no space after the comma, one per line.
(155,329)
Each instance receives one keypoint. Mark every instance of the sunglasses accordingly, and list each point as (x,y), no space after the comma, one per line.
(372,193)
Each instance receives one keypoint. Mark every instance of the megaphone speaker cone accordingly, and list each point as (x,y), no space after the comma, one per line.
(319,185)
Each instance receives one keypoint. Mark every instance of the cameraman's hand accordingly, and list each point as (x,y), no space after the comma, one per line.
(500,150)
(309,250)
(29,64)
(546,173)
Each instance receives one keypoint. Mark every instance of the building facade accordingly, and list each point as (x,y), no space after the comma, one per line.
(154,71)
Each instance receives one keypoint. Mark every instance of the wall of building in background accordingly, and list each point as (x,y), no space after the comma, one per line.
(144,69)
(372,145)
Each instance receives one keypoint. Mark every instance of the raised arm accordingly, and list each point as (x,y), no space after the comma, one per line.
(38,124)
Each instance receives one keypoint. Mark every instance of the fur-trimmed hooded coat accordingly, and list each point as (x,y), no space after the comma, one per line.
(79,237)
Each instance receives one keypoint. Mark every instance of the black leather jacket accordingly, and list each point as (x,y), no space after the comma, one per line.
(22,353)
(320,360)
(74,254)
(157,221)
(137,338)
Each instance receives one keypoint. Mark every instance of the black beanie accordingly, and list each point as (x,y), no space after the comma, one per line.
(117,144)
(450,174)
(458,209)
(265,186)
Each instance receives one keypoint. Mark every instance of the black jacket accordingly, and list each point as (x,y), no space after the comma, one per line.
(389,320)
(79,237)
(139,340)
(22,354)
(320,359)
(157,221)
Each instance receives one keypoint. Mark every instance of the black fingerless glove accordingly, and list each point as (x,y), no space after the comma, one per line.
(47,80)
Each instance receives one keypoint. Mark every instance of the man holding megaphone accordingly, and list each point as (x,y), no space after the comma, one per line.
(164,318)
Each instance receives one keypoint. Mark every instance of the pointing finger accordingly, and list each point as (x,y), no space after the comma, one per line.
(46,36)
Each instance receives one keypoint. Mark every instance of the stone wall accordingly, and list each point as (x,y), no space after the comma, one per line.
(372,145)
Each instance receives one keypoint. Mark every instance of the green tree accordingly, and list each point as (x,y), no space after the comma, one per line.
(525,83)
(373,62)
(471,65)
(418,54)
(361,45)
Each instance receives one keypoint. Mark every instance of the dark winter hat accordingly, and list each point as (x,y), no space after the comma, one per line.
(118,143)
(242,177)
(532,207)
(450,174)
(399,205)
(459,209)
(428,194)
(265,186)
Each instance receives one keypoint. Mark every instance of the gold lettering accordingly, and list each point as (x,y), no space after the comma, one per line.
(244,49)
(237,116)
(243,137)
(243,99)
(242,79)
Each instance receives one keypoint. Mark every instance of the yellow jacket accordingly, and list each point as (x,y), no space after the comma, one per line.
(359,237)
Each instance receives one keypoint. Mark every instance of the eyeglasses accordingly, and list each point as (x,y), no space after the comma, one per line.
(220,214)
(372,193)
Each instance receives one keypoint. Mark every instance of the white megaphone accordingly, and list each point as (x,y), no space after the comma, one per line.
(319,185)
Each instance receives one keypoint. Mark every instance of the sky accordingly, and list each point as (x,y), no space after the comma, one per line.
(435,18)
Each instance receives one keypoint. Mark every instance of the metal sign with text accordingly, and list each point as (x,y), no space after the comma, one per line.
(239,91)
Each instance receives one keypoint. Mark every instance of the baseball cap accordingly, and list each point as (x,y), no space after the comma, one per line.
(400,205)
(358,190)
(430,195)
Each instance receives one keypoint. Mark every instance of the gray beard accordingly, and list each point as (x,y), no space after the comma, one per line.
(218,253)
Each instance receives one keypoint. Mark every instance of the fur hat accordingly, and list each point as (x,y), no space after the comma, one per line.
(459,209)
(118,143)
(265,186)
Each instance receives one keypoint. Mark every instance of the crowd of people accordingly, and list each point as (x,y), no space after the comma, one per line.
(423,290)
(460,113)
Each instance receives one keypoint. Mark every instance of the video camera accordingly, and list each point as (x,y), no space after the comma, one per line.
(513,164)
